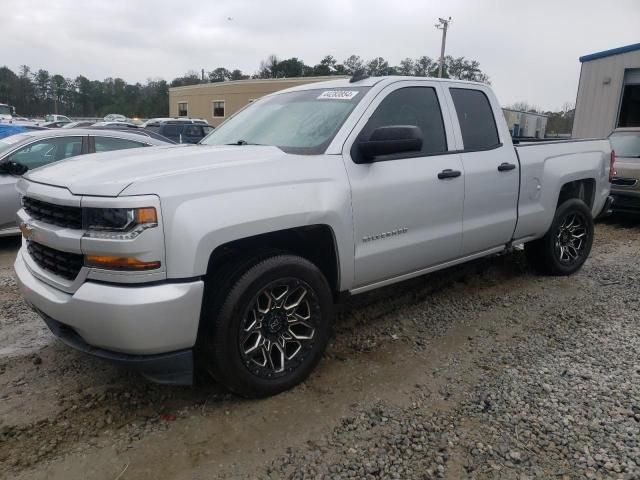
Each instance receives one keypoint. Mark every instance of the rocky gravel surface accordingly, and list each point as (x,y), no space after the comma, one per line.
(483,371)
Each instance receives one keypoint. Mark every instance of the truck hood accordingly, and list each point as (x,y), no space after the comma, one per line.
(110,173)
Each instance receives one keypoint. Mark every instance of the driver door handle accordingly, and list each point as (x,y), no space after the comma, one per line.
(505,167)
(448,173)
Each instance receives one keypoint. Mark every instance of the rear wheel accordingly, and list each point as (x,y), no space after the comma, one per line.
(269,325)
(567,244)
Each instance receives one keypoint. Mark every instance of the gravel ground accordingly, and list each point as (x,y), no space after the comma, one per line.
(483,371)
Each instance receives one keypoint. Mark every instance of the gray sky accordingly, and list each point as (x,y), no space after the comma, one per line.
(530,51)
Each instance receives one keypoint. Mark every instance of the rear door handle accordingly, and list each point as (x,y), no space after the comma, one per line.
(448,173)
(505,167)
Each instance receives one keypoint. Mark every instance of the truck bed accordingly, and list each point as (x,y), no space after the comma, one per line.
(546,166)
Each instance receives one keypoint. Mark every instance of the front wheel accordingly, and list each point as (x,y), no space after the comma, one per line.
(567,244)
(270,325)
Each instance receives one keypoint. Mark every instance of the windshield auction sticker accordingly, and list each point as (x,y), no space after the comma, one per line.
(338,94)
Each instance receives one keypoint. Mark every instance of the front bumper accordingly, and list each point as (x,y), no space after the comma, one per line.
(131,320)
(174,368)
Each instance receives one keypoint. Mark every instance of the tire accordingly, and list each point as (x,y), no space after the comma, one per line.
(268,325)
(567,244)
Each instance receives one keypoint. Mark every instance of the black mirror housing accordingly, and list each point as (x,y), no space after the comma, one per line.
(391,140)
(13,168)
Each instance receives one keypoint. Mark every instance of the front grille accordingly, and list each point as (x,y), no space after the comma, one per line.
(61,215)
(64,264)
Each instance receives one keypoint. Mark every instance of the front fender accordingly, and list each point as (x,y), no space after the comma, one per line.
(195,225)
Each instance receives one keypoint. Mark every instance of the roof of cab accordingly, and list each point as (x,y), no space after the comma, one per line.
(368,82)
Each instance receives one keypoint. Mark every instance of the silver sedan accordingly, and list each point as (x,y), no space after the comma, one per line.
(29,150)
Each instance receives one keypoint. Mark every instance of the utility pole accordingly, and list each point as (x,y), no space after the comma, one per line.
(443,24)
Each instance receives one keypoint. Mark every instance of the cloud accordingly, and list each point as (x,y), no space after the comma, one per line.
(530,51)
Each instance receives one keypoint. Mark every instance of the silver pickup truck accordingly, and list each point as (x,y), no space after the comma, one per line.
(231,253)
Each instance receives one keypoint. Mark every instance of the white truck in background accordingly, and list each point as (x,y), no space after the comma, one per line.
(7,112)
(230,253)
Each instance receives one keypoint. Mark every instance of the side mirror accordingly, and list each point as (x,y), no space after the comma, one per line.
(391,140)
(13,168)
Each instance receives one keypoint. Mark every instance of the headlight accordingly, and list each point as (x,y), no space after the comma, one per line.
(118,223)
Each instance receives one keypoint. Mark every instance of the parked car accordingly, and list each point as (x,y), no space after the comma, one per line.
(181,131)
(136,131)
(115,124)
(29,150)
(625,187)
(29,125)
(8,129)
(155,122)
(57,118)
(82,124)
(56,124)
(229,254)
(115,117)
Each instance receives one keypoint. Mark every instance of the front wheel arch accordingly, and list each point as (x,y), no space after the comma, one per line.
(222,320)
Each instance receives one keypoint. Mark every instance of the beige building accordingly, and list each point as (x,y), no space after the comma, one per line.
(525,124)
(608,93)
(216,101)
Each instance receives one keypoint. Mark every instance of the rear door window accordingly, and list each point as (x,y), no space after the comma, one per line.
(107,144)
(478,125)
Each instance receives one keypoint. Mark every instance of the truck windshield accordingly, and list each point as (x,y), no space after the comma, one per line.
(5,110)
(302,122)
(626,144)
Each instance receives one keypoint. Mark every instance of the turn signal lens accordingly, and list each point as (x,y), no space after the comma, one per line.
(118,263)
(146,216)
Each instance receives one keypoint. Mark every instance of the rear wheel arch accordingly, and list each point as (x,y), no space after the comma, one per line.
(583,189)
(543,253)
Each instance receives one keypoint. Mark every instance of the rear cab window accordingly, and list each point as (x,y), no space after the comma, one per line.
(476,119)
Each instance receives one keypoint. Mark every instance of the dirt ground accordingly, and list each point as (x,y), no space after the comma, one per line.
(426,349)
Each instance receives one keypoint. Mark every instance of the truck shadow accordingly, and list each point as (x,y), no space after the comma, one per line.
(10,243)
(622,220)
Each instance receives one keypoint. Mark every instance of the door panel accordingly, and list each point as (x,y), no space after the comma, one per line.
(491,199)
(405,217)
(491,172)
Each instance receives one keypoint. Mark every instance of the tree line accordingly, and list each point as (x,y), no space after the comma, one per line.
(39,92)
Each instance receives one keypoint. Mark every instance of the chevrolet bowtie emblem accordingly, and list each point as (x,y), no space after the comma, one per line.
(26,230)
